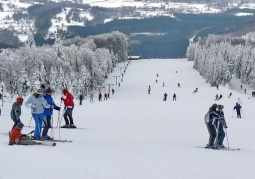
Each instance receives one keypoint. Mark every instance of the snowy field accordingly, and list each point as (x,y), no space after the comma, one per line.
(135,135)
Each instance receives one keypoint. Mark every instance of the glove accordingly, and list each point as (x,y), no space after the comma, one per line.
(52,106)
(24,135)
(33,106)
(57,108)
(61,98)
(225,126)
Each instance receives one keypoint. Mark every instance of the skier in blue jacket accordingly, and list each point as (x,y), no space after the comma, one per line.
(48,113)
(238,110)
(37,103)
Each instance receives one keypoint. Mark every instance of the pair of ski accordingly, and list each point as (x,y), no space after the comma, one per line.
(229,149)
(50,142)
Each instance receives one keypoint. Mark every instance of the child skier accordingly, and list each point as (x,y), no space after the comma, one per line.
(238,110)
(16,111)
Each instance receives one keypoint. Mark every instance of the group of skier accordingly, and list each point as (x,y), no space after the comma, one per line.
(216,123)
(42,105)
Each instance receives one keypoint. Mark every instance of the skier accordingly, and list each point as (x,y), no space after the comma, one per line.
(245,91)
(100,96)
(217,86)
(196,90)
(220,96)
(239,101)
(81,98)
(149,90)
(216,97)
(210,127)
(157,75)
(112,91)
(119,84)
(179,85)
(174,97)
(48,113)
(219,124)
(37,104)
(241,86)
(16,137)
(105,96)
(91,97)
(156,81)
(165,97)
(237,107)
(69,105)
(16,111)
(230,94)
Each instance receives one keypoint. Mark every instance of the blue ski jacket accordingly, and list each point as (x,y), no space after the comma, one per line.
(50,101)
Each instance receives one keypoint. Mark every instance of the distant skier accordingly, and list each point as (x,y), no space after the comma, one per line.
(81,98)
(165,97)
(241,86)
(217,86)
(157,75)
(156,81)
(179,85)
(195,91)
(149,90)
(163,84)
(220,96)
(105,96)
(100,96)
(174,97)
(230,94)
(112,91)
(91,97)
(238,110)
(216,97)
(245,91)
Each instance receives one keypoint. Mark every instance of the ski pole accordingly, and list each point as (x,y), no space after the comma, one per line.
(52,130)
(227,136)
(30,121)
(58,114)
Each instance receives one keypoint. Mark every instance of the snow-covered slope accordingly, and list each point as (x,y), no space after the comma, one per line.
(135,135)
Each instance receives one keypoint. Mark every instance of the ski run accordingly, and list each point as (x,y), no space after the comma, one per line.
(136,135)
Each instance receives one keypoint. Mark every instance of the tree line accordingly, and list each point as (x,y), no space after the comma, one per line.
(79,64)
(219,58)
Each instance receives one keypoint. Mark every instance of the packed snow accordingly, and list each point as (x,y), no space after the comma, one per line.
(136,135)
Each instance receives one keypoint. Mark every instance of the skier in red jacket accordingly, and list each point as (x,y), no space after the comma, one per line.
(69,105)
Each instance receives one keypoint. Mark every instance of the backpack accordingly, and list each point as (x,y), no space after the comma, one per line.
(207,117)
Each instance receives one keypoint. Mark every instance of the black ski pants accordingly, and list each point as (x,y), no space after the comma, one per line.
(47,125)
(68,115)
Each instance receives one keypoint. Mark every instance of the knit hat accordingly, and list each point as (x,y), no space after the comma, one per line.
(20,125)
(20,100)
(65,91)
(39,91)
(43,86)
(49,90)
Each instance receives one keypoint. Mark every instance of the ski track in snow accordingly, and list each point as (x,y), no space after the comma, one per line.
(134,135)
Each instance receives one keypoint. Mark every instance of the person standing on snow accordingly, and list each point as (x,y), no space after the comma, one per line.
(210,127)
(230,94)
(67,98)
(91,97)
(16,111)
(174,97)
(238,110)
(216,97)
(48,113)
(219,124)
(165,97)
(37,103)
